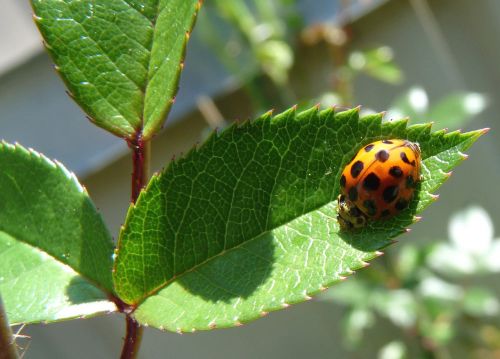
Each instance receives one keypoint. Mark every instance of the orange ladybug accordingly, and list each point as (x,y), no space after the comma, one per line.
(379,182)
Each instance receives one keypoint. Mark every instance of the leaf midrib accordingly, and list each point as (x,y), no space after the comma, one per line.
(197,266)
(223,252)
(148,78)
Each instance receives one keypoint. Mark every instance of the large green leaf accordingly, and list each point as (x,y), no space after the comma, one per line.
(246,223)
(121,59)
(55,251)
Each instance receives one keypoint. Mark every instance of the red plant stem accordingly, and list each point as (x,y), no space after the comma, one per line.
(140,163)
(132,340)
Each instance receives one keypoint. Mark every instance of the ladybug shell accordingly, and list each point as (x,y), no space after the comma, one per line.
(381,179)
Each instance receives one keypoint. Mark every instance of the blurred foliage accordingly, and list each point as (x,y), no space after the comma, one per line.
(430,293)
(451,111)
(252,38)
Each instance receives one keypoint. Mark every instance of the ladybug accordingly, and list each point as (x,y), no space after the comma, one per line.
(379,182)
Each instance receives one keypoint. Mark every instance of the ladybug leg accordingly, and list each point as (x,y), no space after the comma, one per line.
(349,216)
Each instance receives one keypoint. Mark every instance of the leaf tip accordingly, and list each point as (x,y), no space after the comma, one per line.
(484,130)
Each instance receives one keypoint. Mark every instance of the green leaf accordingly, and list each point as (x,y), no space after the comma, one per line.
(377,63)
(480,302)
(55,251)
(393,350)
(355,322)
(246,223)
(121,59)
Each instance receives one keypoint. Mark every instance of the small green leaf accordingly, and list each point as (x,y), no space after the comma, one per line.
(481,302)
(377,63)
(355,322)
(121,59)
(456,109)
(246,223)
(55,251)
(393,350)
(398,305)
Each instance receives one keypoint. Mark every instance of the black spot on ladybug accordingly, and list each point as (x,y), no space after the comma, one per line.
(353,194)
(390,193)
(396,171)
(369,147)
(387,142)
(342,181)
(355,212)
(382,155)
(406,160)
(401,204)
(385,213)
(410,182)
(371,182)
(356,168)
(370,206)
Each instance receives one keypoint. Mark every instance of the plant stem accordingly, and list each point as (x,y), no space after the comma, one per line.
(140,162)
(7,345)
(132,339)
(140,176)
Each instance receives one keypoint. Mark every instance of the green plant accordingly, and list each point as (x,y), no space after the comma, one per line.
(242,225)
(252,39)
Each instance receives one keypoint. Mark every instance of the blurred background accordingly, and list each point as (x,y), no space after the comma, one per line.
(433,295)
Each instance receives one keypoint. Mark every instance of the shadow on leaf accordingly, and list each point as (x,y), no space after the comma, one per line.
(237,273)
(80,291)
